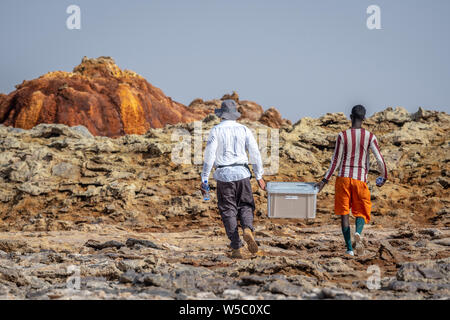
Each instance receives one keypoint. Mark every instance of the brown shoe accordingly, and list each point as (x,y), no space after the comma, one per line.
(250,239)
(236,254)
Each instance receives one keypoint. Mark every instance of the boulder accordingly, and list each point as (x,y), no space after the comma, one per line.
(272,118)
(250,110)
(338,118)
(60,130)
(102,245)
(300,155)
(282,286)
(410,133)
(131,242)
(398,116)
(20,171)
(36,188)
(66,170)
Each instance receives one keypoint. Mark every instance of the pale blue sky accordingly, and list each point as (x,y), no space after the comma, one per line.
(305,58)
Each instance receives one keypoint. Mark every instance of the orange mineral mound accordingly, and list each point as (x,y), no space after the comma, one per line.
(97,94)
(110,102)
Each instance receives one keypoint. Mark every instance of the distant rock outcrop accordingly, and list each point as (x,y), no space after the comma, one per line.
(98,95)
(249,110)
(272,118)
(110,102)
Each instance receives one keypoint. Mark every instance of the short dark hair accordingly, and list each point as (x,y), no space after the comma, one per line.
(359,112)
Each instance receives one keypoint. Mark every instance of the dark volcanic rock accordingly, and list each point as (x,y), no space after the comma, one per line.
(145,243)
(98,245)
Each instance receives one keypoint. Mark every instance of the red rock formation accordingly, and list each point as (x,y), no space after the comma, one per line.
(272,118)
(97,94)
(249,110)
(3,100)
(109,102)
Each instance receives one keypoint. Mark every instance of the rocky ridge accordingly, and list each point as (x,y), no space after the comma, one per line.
(249,110)
(134,222)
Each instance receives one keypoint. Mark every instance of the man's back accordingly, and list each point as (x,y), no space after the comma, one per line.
(351,156)
(231,147)
(228,143)
(351,193)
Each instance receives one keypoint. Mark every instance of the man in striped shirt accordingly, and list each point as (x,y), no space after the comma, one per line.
(351,160)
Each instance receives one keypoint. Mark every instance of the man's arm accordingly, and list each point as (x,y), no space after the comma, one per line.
(255,158)
(335,161)
(380,160)
(210,155)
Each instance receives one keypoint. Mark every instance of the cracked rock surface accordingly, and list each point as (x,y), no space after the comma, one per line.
(122,217)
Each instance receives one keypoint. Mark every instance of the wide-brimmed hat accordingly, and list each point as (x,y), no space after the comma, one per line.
(228,110)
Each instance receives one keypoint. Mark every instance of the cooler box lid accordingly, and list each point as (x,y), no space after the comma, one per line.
(291,187)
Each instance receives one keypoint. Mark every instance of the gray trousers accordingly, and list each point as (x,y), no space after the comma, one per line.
(235,200)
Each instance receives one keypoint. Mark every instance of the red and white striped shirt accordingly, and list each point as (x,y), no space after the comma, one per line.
(351,155)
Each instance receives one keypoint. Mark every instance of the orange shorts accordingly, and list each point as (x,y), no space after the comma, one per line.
(352,194)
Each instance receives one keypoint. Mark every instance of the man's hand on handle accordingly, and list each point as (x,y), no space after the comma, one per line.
(380,182)
(203,188)
(320,185)
(262,184)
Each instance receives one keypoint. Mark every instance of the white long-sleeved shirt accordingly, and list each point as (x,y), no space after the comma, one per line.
(227,144)
(351,155)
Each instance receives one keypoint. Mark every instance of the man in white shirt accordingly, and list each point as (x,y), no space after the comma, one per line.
(226,150)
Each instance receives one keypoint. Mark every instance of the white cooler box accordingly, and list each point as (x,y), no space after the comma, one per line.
(291,200)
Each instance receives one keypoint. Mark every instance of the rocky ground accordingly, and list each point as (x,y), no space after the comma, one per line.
(134,224)
(295,262)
